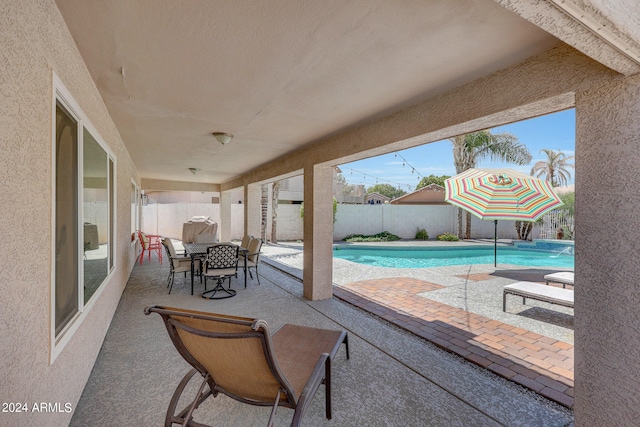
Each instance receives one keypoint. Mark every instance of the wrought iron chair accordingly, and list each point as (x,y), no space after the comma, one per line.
(239,357)
(220,263)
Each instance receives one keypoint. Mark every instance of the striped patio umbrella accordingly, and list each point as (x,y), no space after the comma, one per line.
(493,194)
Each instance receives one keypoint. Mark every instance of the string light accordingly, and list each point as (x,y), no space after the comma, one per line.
(405,162)
(378,180)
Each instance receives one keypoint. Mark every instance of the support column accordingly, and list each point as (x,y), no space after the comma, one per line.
(607,297)
(318,232)
(252,206)
(225,216)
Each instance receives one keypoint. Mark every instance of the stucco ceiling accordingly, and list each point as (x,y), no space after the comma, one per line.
(277,74)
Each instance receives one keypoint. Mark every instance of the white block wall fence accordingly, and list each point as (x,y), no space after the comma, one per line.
(402,220)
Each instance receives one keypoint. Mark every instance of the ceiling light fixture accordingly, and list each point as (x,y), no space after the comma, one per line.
(222,137)
(194,170)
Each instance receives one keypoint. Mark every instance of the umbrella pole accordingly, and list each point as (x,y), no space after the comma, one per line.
(495,242)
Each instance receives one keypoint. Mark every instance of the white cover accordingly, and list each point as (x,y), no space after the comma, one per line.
(198,225)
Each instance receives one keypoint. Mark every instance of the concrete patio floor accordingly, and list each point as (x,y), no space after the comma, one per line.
(393,377)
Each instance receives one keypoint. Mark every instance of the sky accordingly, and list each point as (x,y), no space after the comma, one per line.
(405,168)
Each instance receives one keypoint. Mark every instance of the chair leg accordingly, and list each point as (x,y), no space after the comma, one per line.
(257,275)
(345,341)
(185,415)
(327,387)
(172,279)
(274,408)
(219,288)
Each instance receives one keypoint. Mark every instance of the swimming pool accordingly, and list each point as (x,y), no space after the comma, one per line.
(424,257)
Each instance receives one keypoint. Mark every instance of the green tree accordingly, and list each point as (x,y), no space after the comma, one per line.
(555,168)
(569,201)
(386,190)
(470,149)
(431,179)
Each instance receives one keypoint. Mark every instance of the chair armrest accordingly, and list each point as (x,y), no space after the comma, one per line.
(153,238)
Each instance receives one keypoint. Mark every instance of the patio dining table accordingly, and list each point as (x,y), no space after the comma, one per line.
(199,250)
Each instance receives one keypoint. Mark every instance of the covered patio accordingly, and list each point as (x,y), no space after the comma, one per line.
(102,100)
(392,378)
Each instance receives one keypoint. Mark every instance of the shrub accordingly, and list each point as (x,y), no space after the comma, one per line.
(385,236)
(448,237)
(422,234)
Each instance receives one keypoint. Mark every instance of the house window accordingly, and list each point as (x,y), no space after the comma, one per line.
(84,207)
(66,212)
(97,215)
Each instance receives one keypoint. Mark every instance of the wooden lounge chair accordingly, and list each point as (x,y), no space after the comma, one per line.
(239,357)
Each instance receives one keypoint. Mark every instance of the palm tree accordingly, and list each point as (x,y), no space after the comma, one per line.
(555,168)
(470,149)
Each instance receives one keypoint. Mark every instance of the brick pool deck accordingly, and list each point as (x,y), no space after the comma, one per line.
(537,362)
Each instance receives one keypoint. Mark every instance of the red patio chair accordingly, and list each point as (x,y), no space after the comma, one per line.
(150,242)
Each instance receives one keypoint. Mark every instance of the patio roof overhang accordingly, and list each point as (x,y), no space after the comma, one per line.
(318,80)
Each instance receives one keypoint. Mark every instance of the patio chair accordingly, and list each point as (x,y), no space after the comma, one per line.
(149,242)
(220,263)
(245,241)
(253,257)
(239,357)
(176,264)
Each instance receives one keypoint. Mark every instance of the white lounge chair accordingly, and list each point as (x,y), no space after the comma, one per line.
(564,277)
(539,292)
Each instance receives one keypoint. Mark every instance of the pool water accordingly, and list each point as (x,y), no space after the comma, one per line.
(424,257)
